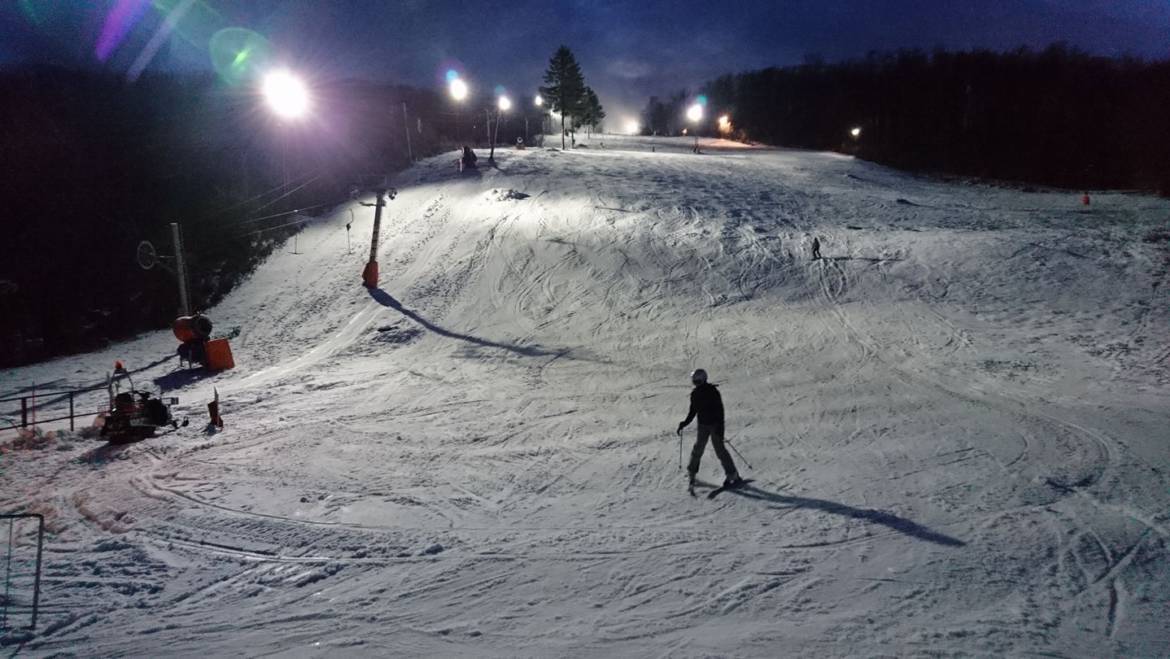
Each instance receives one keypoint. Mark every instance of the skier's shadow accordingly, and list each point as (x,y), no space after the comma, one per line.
(387,300)
(899,524)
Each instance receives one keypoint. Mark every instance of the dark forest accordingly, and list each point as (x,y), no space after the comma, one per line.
(93,165)
(1056,117)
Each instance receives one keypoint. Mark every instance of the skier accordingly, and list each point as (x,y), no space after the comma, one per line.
(816,248)
(468,159)
(707,404)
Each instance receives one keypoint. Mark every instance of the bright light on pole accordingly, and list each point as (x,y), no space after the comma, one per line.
(724,124)
(632,127)
(505,104)
(539,101)
(695,112)
(287,96)
(458,89)
(855,132)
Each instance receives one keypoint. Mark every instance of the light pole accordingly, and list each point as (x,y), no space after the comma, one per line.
(539,102)
(458,90)
(695,115)
(503,104)
(288,98)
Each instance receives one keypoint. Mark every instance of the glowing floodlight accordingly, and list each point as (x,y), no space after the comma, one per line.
(505,104)
(539,101)
(695,112)
(458,89)
(632,127)
(724,124)
(855,132)
(286,94)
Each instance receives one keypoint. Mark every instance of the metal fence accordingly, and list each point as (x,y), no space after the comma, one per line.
(22,551)
(40,407)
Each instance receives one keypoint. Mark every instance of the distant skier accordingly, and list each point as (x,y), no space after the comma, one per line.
(468,159)
(816,248)
(707,404)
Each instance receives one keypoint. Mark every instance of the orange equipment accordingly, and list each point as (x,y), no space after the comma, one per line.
(191,328)
(218,355)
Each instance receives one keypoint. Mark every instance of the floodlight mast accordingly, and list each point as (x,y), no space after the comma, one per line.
(695,114)
(503,104)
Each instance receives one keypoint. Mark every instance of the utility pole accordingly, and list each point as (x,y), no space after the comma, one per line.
(181,267)
(370,273)
(406,125)
(495,135)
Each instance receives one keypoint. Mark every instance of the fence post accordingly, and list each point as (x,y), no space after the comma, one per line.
(70,411)
(37,581)
(23,412)
(7,576)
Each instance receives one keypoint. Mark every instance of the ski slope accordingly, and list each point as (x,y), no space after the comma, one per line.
(957,423)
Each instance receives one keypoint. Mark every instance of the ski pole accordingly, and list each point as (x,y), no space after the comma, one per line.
(748,464)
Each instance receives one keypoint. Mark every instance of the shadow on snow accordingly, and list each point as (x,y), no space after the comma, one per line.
(899,524)
(387,300)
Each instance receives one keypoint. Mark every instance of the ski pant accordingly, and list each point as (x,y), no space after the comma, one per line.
(715,434)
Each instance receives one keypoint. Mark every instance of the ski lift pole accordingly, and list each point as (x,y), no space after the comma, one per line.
(370,273)
(181,268)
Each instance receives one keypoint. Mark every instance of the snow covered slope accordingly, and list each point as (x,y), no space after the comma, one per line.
(956,421)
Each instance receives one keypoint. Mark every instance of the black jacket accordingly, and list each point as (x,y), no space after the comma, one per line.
(707,404)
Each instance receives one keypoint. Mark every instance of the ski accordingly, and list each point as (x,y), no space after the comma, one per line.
(738,485)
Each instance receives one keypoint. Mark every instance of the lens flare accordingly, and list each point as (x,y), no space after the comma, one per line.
(238,54)
(123,17)
(286,94)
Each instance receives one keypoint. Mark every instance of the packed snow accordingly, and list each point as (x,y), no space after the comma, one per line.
(956,422)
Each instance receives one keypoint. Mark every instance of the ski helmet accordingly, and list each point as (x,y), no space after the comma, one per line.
(699,376)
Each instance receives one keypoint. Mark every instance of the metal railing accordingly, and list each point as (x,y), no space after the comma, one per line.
(15,599)
(38,407)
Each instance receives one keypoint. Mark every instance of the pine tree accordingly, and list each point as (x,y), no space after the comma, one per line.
(564,85)
(591,111)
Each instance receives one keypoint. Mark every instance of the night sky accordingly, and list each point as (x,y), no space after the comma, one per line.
(628,50)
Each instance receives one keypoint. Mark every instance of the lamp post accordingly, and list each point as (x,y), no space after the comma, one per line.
(458,90)
(539,102)
(503,104)
(288,99)
(695,115)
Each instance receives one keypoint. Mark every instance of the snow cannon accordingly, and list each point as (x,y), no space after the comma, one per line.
(192,328)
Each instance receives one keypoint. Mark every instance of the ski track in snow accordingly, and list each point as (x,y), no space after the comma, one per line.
(956,421)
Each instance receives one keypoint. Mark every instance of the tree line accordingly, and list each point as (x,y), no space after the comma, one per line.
(1057,116)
